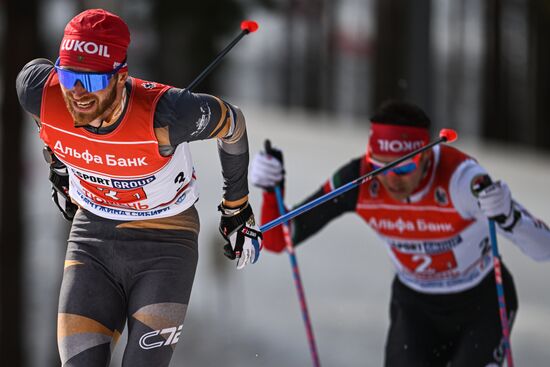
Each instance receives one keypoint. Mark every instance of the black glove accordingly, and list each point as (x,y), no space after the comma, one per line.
(243,237)
(59,178)
(267,169)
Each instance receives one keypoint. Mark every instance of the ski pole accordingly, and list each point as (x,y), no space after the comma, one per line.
(247,26)
(497,266)
(296,273)
(500,294)
(445,135)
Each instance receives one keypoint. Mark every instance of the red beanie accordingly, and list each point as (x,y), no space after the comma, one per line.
(95,39)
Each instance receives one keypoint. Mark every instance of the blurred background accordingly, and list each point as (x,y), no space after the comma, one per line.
(308,80)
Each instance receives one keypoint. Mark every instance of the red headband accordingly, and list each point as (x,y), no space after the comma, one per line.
(396,140)
(94,39)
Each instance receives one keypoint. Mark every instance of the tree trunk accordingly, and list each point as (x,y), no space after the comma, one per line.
(391,51)
(288,64)
(20,45)
(402,60)
(314,56)
(189,37)
(539,59)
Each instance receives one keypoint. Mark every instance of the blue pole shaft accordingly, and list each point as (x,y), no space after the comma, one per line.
(307,206)
(350,185)
(298,281)
(500,293)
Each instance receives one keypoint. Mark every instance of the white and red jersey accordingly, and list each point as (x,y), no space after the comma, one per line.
(120,175)
(433,245)
(438,240)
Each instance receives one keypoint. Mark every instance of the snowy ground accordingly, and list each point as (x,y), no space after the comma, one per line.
(252,317)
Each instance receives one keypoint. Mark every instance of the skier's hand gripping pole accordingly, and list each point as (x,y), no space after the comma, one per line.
(294,262)
(241,234)
(445,136)
(482,187)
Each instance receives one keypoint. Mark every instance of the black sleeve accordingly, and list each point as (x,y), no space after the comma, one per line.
(235,173)
(311,222)
(30,83)
(188,116)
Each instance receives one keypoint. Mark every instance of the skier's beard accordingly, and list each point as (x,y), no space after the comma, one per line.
(82,119)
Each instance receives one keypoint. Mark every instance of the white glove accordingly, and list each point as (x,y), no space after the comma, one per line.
(495,202)
(266,171)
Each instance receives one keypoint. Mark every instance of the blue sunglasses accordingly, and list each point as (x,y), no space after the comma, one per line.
(401,169)
(92,82)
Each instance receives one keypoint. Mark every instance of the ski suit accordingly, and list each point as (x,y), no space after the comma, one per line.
(443,306)
(132,250)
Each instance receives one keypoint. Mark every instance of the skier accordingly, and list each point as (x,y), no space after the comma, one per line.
(122,171)
(431,212)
